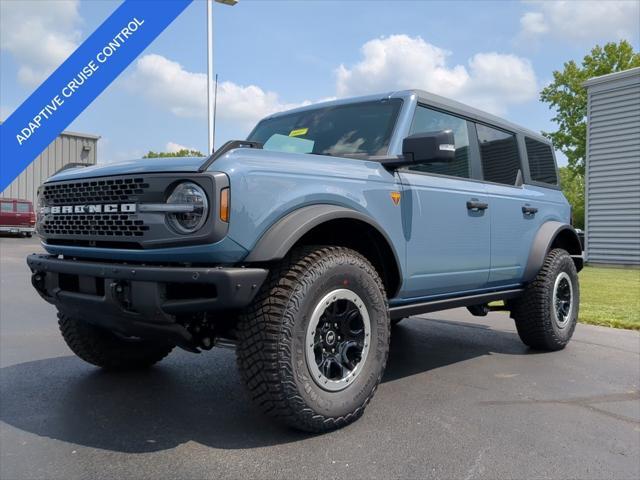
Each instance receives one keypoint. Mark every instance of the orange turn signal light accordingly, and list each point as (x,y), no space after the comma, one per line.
(224,204)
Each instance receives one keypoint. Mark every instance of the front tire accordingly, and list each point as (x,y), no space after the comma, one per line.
(547,313)
(314,343)
(104,349)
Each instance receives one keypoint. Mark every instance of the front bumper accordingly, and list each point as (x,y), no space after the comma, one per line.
(141,300)
(16,229)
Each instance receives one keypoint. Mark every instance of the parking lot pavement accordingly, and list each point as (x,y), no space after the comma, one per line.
(462,398)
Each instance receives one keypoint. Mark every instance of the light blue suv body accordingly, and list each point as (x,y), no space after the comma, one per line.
(302,245)
(442,248)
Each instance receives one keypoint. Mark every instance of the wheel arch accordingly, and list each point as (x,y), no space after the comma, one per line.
(552,235)
(335,225)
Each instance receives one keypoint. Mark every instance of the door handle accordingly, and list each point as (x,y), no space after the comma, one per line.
(476,206)
(529,210)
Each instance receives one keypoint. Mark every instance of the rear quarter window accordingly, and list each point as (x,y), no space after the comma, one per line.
(6,207)
(541,164)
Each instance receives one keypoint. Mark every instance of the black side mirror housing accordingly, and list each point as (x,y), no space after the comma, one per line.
(429,147)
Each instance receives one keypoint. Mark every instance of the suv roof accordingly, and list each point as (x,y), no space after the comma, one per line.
(433,100)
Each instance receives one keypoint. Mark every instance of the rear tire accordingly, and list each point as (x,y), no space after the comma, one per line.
(547,313)
(314,343)
(104,349)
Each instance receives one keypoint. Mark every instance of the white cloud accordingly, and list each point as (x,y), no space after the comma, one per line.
(533,23)
(499,80)
(176,147)
(40,35)
(582,20)
(491,81)
(184,93)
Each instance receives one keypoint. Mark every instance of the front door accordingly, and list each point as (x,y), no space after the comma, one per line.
(447,224)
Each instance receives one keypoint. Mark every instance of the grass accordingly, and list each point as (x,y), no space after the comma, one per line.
(610,297)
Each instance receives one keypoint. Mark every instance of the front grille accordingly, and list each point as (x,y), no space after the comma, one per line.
(120,225)
(105,212)
(97,227)
(96,191)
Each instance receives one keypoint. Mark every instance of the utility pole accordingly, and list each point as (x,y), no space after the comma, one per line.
(210,93)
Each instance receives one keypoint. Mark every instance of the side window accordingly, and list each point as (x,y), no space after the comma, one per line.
(499,155)
(427,120)
(541,164)
(22,207)
(6,207)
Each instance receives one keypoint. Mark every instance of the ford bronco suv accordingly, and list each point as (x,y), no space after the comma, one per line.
(302,245)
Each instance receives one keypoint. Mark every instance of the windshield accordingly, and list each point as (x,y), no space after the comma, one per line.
(355,129)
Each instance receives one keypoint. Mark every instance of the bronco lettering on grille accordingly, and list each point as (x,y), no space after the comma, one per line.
(95,208)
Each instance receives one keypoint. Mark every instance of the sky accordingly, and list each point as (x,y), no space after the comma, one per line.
(275,55)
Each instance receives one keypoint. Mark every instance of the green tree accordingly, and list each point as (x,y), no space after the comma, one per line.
(567,96)
(180,153)
(572,183)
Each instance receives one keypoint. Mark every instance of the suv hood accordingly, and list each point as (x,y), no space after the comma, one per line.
(140,165)
(241,161)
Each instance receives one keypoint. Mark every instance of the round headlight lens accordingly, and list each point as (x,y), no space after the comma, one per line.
(188,194)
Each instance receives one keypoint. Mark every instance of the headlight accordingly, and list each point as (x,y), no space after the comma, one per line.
(191,208)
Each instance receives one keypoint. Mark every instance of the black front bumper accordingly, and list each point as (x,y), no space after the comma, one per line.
(141,300)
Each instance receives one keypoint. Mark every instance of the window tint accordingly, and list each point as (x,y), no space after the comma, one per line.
(6,207)
(499,154)
(427,120)
(541,164)
(22,207)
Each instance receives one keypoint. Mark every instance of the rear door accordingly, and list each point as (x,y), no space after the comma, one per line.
(514,208)
(447,228)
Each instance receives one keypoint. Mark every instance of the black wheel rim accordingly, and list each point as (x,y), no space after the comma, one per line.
(562,299)
(338,339)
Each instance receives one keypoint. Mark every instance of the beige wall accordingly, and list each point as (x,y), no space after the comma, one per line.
(68,147)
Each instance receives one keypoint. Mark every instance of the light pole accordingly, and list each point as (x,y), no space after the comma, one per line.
(210,93)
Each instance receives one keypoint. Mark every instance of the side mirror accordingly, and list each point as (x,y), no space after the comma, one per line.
(430,147)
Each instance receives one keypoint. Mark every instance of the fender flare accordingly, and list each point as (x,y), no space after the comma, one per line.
(542,242)
(282,235)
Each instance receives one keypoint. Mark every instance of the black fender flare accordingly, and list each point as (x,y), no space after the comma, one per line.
(547,234)
(282,235)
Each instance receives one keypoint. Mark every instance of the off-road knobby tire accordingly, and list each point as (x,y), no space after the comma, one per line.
(533,312)
(104,349)
(271,333)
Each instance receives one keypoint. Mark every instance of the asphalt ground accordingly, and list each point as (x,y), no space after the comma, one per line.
(462,398)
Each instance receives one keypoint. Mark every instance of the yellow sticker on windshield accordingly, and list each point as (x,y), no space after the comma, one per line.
(298,132)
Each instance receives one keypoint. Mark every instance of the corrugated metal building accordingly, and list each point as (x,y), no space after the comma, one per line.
(68,149)
(612,203)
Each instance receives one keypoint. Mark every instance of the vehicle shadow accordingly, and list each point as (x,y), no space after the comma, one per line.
(198,398)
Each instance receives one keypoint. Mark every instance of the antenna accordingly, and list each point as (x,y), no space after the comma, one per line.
(215,105)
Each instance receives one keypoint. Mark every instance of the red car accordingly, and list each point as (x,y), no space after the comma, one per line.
(17,216)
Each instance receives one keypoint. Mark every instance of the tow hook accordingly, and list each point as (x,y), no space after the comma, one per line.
(119,293)
(37,280)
